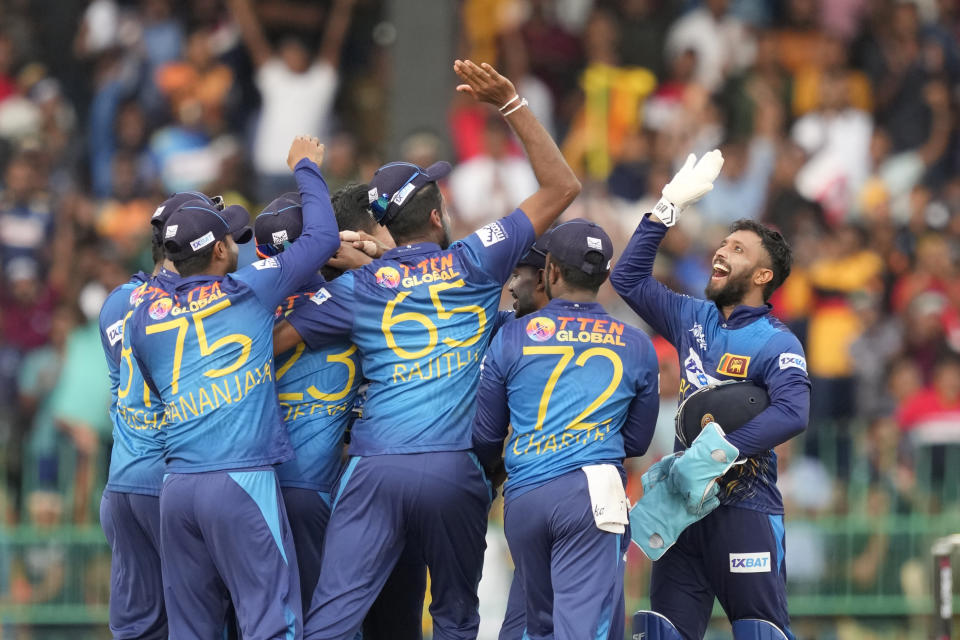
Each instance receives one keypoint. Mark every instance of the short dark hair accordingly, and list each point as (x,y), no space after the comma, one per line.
(414,218)
(156,243)
(196,263)
(351,206)
(778,252)
(576,277)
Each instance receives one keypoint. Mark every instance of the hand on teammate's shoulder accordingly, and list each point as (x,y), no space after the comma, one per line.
(307,147)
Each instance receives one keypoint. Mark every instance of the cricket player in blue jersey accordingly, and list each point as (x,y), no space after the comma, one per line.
(736,553)
(421,317)
(205,348)
(317,390)
(580,391)
(529,293)
(130,505)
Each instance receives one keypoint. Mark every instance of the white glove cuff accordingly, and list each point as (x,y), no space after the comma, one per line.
(666,211)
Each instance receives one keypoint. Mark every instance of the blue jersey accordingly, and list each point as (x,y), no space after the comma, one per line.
(749,345)
(578,387)
(136,460)
(317,389)
(206,348)
(421,318)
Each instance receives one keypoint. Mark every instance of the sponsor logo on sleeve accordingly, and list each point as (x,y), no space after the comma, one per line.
(388,277)
(171,231)
(320,296)
(734,365)
(269,263)
(202,241)
(750,562)
(115,332)
(788,360)
(279,237)
(541,329)
(491,234)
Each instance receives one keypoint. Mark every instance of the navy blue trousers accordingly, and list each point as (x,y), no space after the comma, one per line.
(437,502)
(225,537)
(734,554)
(570,571)
(131,523)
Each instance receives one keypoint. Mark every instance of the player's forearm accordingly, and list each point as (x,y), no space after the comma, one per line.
(320,238)
(490,423)
(782,420)
(285,337)
(636,262)
(558,184)
(638,429)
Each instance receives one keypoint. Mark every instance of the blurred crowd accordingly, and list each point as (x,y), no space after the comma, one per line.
(837,119)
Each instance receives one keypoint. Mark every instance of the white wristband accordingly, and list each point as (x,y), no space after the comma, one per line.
(666,211)
(515,97)
(522,104)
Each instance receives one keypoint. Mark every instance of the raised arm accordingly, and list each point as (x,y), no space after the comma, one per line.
(335,32)
(275,278)
(558,184)
(251,31)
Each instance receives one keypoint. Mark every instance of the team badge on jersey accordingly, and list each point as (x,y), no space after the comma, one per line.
(160,308)
(734,365)
(541,329)
(137,294)
(388,277)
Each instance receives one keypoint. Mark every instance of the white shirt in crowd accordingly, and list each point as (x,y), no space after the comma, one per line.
(292,104)
(485,188)
(722,46)
(838,147)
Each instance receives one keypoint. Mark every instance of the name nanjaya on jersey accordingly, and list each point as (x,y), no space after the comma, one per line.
(193,404)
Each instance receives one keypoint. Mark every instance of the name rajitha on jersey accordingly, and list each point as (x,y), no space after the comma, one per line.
(317,390)
(136,460)
(421,318)
(578,388)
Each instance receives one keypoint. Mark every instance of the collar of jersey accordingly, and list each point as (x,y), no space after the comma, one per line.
(583,307)
(743,315)
(411,250)
(139,277)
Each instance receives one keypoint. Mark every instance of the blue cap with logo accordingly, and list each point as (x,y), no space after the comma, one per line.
(279,224)
(195,225)
(171,204)
(536,257)
(572,242)
(395,183)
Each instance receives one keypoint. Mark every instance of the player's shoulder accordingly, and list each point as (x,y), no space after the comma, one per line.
(782,346)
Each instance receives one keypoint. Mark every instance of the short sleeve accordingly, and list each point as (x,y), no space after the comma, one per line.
(496,247)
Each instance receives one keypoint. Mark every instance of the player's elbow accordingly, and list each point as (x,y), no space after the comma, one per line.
(620,280)
(568,189)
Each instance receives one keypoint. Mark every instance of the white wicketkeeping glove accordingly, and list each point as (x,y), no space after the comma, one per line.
(690,184)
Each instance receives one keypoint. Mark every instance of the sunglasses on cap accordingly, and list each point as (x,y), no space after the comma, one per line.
(270,250)
(380,205)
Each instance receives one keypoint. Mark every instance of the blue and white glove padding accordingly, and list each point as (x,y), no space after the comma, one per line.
(693,477)
(658,519)
(691,183)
